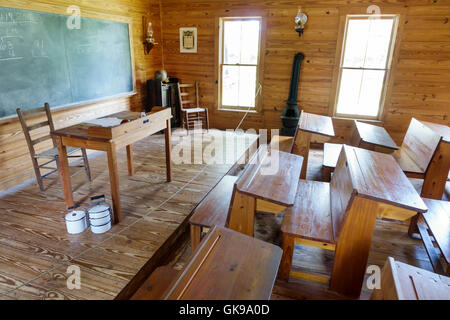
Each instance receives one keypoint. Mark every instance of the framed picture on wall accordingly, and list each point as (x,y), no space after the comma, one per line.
(188,40)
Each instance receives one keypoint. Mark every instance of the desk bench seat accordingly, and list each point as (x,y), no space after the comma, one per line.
(310,217)
(436,221)
(213,209)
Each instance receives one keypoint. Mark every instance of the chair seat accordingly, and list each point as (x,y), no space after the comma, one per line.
(406,163)
(194,110)
(310,218)
(213,210)
(437,219)
(331,153)
(53,152)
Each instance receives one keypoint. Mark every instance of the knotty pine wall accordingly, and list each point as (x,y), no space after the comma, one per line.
(421,78)
(15,163)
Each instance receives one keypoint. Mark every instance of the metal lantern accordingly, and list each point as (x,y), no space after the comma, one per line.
(300,22)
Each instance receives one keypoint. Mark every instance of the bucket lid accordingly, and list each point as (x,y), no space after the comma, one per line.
(75,215)
(98,212)
(98,208)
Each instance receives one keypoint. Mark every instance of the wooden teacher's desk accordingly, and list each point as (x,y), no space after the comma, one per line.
(110,134)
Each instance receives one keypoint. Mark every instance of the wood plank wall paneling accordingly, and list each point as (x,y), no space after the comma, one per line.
(15,163)
(420,85)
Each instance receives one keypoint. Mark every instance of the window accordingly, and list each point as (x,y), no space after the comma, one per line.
(239,62)
(364,67)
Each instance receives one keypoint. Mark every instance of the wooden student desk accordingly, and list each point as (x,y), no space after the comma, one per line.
(226,266)
(341,215)
(263,188)
(110,139)
(308,125)
(400,281)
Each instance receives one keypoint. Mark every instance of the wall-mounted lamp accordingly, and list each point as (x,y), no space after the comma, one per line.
(300,21)
(149,40)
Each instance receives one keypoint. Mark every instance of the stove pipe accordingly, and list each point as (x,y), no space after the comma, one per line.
(291,113)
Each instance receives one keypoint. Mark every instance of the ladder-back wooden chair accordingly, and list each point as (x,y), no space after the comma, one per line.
(52,153)
(189,104)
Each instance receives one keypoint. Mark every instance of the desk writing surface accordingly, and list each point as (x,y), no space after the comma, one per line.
(317,124)
(375,135)
(228,266)
(272,176)
(378,176)
(132,122)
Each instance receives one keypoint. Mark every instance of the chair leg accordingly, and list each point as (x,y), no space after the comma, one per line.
(86,164)
(207,120)
(37,172)
(186,120)
(183,119)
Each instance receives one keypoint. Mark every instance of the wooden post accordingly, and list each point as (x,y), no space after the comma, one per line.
(130,160)
(65,172)
(286,259)
(301,148)
(168,135)
(352,250)
(242,215)
(114,181)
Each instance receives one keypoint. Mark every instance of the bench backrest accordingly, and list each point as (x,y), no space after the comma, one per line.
(354,139)
(420,143)
(341,192)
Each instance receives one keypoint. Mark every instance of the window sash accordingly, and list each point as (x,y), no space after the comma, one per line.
(386,69)
(222,64)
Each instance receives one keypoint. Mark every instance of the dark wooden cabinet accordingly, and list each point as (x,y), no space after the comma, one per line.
(165,95)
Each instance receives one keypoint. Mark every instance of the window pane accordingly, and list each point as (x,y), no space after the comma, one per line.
(356,43)
(360,92)
(247,86)
(232,42)
(230,86)
(367,43)
(379,40)
(238,86)
(241,42)
(250,42)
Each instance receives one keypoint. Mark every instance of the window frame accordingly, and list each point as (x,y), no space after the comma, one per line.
(393,45)
(221,64)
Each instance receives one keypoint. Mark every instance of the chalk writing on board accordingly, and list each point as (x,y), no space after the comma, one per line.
(38,50)
(7,48)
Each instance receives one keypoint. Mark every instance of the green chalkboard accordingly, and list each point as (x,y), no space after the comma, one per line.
(42,60)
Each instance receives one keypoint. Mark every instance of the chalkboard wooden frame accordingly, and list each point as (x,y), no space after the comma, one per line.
(62,10)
